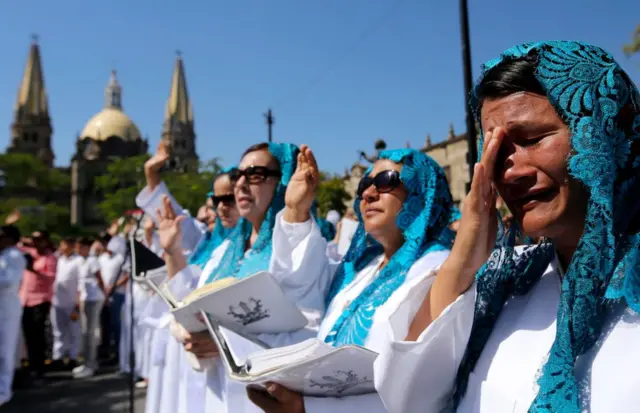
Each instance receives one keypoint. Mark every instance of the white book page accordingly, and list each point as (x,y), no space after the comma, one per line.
(252,305)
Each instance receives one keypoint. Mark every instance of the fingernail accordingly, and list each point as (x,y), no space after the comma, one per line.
(271,388)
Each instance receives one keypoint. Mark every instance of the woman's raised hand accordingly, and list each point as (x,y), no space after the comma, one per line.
(302,187)
(478,227)
(169,233)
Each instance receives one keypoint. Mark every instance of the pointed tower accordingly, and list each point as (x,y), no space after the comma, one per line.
(31,127)
(178,129)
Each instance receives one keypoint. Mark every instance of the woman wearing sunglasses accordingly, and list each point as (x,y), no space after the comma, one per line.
(173,383)
(552,327)
(286,243)
(404,208)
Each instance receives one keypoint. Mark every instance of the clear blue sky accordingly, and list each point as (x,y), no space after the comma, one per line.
(402,80)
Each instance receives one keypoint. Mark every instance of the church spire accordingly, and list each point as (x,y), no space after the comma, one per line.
(32,96)
(178,106)
(178,130)
(113,93)
(31,127)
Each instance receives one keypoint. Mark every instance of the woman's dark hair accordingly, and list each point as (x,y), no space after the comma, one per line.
(69,240)
(85,241)
(509,77)
(263,146)
(104,238)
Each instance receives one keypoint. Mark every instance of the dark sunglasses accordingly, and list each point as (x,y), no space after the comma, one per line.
(385,181)
(253,174)
(228,200)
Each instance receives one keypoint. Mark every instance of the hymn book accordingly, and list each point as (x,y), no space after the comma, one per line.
(310,367)
(251,305)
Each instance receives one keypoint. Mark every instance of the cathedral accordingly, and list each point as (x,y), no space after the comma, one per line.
(108,135)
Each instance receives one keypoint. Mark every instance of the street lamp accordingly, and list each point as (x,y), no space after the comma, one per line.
(472,154)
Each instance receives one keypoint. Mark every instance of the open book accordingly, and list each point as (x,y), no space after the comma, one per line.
(251,305)
(311,367)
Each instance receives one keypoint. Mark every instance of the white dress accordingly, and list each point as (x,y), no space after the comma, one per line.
(167,356)
(12,265)
(298,262)
(419,376)
(377,338)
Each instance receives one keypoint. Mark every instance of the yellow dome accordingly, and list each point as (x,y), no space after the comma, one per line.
(110,122)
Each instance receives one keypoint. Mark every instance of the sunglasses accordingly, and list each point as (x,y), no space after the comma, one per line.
(253,174)
(385,181)
(228,199)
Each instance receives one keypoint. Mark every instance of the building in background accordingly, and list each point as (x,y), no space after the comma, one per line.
(109,135)
(31,128)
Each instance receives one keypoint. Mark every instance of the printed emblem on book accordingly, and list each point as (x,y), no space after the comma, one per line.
(340,382)
(249,313)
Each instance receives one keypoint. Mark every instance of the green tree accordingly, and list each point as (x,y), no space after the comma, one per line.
(634,46)
(41,194)
(124,178)
(331,194)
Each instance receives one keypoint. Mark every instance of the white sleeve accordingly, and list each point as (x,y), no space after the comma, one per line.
(12,265)
(300,265)
(419,376)
(151,200)
(366,403)
(184,281)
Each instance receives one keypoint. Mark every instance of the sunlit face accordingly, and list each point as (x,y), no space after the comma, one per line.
(379,210)
(82,250)
(531,170)
(66,248)
(227,211)
(253,199)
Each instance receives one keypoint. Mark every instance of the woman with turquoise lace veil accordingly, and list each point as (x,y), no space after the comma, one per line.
(223,207)
(266,238)
(404,209)
(551,327)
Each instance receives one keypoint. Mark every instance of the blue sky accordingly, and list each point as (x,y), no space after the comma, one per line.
(338,73)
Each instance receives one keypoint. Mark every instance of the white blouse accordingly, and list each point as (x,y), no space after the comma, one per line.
(377,338)
(299,265)
(151,201)
(419,376)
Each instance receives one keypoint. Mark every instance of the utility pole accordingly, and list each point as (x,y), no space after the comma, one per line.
(472,153)
(270,120)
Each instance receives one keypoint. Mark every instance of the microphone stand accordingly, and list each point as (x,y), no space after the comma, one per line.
(132,352)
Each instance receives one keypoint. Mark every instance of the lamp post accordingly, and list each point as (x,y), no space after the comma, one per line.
(472,154)
(270,120)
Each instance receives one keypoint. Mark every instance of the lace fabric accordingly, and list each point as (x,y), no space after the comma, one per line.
(212,239)
(591,93)
(235,262)
(424,221)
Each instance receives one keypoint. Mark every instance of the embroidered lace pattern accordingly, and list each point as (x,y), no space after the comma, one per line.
(592,94)
(424,220)
(235,262)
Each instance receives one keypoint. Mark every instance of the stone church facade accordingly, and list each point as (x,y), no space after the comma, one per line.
(109,135)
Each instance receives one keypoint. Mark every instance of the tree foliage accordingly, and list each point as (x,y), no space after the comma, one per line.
(634,46)
(40,194)
(331,194)
(124,178)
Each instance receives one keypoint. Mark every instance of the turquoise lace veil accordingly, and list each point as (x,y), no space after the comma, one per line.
(424,220)
(212,239)
(234,262)
(601,106)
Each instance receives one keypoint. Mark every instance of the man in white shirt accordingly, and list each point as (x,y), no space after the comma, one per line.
(92,293)
(113,268)
(65,311)
(12,265)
